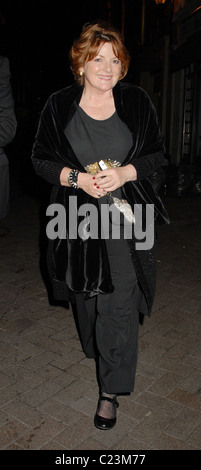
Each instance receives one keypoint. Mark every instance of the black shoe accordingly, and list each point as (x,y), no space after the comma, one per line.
(105,423)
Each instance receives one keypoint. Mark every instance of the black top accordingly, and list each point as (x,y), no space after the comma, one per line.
(93,140)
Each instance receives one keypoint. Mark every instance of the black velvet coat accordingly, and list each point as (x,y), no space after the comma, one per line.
(78,265)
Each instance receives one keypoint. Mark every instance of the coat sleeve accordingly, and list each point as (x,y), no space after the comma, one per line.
(8,123)
(45,149)
(150,155)
(49,171)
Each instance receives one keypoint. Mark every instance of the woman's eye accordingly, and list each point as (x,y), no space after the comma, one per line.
(116,61)
(97,59)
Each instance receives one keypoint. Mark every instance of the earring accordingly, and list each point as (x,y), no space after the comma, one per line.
(81,73)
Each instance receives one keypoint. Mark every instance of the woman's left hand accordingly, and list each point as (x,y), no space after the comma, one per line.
(113,178)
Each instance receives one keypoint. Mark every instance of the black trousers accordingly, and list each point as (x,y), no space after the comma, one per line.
(108,323)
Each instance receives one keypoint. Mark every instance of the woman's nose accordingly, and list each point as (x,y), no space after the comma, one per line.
(108,66)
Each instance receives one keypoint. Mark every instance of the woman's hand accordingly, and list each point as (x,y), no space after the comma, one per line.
(85,181)
(113,178)
(88,184)
(103,182)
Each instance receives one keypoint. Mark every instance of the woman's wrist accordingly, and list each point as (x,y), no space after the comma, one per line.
(69,177)
(130,172)
(83,179)
(64,176)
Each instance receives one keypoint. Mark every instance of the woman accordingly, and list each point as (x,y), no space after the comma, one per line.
(100,118)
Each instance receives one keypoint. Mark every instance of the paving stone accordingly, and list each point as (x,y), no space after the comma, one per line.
(59,411)
(193,360)
(79,370)
(52,445)
(195,437)
(91,444)
(85,406)
(165,384)
(40,434)
(72,436)
(21,374)
(165,442)
(10,432)
(132,409)
(153,402)
(151,427)
(28,347)
(191,400)
(58,376)
(184,424)
(178,368)
(128,442)
(73,391)
(41,360)
(192,383)
(12,392)
(67,360)
(40,393)
(26,414)
(5,381)
(4,418)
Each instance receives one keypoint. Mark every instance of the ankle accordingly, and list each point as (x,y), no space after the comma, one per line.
(109,395)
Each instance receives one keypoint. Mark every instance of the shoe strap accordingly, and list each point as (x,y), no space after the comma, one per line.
(111,400)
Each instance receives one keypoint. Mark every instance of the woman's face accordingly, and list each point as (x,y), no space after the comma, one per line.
(102,72)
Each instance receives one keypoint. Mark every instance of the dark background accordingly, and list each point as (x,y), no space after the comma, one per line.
(36,36)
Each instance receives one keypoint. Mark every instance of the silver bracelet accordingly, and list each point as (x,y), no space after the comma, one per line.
(72,178)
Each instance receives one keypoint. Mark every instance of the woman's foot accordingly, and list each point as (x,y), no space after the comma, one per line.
(105,417)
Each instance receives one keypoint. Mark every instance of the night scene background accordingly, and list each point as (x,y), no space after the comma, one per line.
(164,41)
(48,394)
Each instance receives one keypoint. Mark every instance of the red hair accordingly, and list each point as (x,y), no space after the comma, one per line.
(87,46)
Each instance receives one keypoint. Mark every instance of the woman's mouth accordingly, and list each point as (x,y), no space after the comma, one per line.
(105,77)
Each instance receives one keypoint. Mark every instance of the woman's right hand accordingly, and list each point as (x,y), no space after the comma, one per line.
(87,183)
